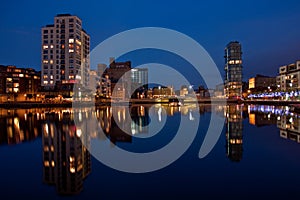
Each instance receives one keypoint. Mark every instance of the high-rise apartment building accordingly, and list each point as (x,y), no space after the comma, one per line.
(65,52)
(139,82)
(233,70)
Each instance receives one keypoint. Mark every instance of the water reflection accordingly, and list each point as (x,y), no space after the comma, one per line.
(19,125)
(67,163)
(287,121)
(234,132)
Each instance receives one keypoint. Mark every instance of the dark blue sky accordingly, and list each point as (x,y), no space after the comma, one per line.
(268,30)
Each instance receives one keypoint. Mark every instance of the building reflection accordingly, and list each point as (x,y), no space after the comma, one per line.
(289,127)
(286,121)
(234,132)
(66,162)
(19,125)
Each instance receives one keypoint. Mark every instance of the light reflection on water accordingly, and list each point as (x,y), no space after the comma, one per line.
(67,163)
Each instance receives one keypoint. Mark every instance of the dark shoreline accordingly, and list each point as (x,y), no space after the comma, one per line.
(138,102)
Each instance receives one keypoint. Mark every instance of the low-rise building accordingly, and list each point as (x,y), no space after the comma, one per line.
(19,83)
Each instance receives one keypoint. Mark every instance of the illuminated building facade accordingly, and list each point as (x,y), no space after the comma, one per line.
(139,81)
(234,132)
(22,83)
(233,70)
(65,52)
(289,77)
(104,83)
(119,75)
(261,83)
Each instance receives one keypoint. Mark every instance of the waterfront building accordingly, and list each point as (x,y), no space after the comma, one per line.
(261,83)
(120,78)
(19,83)
(139,82)
(162,91)
(289,77)
(233,70)
(65,49)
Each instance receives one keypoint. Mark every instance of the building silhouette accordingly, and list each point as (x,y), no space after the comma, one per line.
(65,53)
(233,70)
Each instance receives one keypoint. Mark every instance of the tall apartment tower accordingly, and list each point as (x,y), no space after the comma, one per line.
(233,70)
(65,52)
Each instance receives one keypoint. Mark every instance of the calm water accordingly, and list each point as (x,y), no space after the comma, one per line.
(257,154)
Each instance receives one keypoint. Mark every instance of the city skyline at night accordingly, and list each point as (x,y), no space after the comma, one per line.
(267,30)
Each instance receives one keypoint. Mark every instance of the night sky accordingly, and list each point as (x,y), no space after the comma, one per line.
(269,31)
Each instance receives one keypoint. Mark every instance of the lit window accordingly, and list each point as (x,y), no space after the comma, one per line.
(45,46)
(46,163)
(71,50)
(51,82)
(78,42)
(45,61)
(51,46)
(51,77)
(52,163)
(71,40)
(46,148)
(45,82)
(51,61)
(72,169)
(45,76)
(16,85)
(21,75)
(16,90)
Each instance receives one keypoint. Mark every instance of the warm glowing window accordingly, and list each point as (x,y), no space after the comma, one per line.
(16,90)
(51,46)
(45,61)
(72,169)
(9,79)
(46,163)
(46,82)
(71,40)
(71,50)
(51,77)
(45,46)
(51,61)
(46,148)
(78,42)
(16,85)
(21,75)
(51,82)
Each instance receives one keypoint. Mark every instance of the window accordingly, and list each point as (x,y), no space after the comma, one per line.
(45,31)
